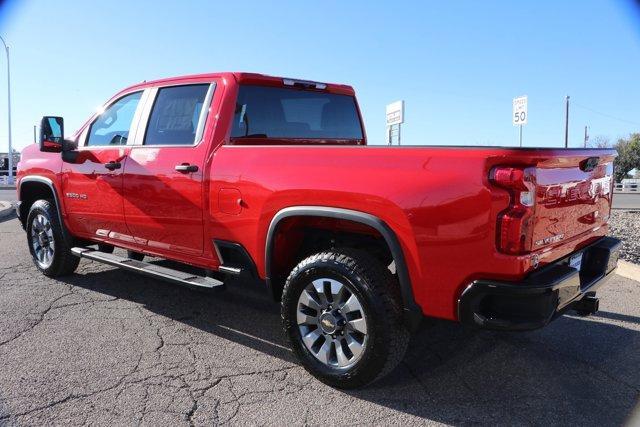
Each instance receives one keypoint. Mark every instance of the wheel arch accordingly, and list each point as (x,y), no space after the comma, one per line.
(411,311)
(32,188)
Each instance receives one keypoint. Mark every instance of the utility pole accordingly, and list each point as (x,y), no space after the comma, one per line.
(586,136)
(566,123)
(6,49)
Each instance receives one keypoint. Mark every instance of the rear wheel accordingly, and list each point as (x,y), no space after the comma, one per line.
(48,244)
(342,317)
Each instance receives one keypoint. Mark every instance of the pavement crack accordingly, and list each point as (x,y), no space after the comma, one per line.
(192,411)
(39,320)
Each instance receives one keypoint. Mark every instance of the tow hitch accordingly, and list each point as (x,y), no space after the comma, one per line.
(587,305)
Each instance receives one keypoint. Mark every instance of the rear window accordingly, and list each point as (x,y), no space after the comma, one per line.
(271,112)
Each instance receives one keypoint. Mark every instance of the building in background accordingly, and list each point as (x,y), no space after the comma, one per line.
(4,162)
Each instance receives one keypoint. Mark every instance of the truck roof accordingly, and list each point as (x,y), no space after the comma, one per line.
(241,78)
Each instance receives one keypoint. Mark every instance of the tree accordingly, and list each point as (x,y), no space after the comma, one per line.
(600,141)
(628,155)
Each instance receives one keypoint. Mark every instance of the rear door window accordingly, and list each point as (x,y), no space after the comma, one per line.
(177,112)
(273,112)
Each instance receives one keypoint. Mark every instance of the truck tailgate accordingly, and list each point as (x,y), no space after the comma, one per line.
(572,197)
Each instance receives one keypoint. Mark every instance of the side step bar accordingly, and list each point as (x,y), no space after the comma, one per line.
(151,270)
(234,271)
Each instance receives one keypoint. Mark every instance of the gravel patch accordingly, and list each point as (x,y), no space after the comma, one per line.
(625,225)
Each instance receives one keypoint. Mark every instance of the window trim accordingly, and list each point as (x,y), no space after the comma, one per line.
(132,128)
(143,126)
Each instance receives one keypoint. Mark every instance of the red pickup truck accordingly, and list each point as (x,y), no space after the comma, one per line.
(271,179)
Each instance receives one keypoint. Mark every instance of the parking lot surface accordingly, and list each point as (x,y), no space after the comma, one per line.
(108,347)
(8,195)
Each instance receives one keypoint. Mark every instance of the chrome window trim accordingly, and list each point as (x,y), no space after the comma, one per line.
(141,130)
(204,113)
(202,120)
(137,118)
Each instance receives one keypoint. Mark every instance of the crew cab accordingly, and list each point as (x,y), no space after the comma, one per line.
(271,179)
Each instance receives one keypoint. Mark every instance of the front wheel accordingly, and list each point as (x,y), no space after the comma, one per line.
(48,244)
(342,315)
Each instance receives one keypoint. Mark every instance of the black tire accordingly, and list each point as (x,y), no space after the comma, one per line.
(377,291)
(135,255)
(63,262)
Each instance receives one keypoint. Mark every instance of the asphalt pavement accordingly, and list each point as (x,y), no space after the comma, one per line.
(109,347)
(8,195)
(626,200)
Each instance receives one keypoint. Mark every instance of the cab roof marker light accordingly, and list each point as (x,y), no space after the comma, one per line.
(304,83)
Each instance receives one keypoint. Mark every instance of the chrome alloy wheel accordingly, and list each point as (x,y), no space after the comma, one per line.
(332,323)
(42,241)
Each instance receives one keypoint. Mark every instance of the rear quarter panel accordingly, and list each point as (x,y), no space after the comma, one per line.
(436,201)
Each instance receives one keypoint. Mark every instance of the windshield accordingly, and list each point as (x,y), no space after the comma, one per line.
(272,112)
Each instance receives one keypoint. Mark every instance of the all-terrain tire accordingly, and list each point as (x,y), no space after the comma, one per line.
(377,291)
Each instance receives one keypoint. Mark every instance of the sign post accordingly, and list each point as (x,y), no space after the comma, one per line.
(520,114)
(395,118)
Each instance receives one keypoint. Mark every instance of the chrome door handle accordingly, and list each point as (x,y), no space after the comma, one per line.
(113,165)
(186,168)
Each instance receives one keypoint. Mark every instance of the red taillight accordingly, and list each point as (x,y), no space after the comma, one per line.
(515,222)
(507,177)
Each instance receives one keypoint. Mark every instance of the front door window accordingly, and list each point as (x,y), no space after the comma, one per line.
(112,126)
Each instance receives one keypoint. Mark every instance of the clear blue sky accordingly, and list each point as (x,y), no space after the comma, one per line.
(457,64)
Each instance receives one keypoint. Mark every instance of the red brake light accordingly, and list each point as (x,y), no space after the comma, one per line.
(515,222)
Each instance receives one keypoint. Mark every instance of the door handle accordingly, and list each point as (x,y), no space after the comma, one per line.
(186,168)
(113,165)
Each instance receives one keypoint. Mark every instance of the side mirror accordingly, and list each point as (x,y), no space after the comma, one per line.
(51,134)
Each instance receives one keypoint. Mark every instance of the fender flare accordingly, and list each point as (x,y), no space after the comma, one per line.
(48,183)
(411,311)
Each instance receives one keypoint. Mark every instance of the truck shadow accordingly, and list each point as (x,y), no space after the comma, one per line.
(575,371)
(8,217)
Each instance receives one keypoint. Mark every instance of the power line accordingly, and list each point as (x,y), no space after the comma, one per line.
(606,115)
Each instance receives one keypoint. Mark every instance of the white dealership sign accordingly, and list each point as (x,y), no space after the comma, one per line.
(519,116)
(395,113)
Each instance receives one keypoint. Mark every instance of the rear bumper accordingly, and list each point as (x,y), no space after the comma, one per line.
(543,295)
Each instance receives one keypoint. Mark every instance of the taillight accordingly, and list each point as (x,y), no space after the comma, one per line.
(515,223)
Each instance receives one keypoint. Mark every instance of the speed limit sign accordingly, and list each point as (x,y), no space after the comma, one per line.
(519,116)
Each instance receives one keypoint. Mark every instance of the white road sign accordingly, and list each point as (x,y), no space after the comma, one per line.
(395,113)
(519,116)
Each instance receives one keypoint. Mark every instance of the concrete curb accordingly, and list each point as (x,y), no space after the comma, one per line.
(629,270)
(6,209)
